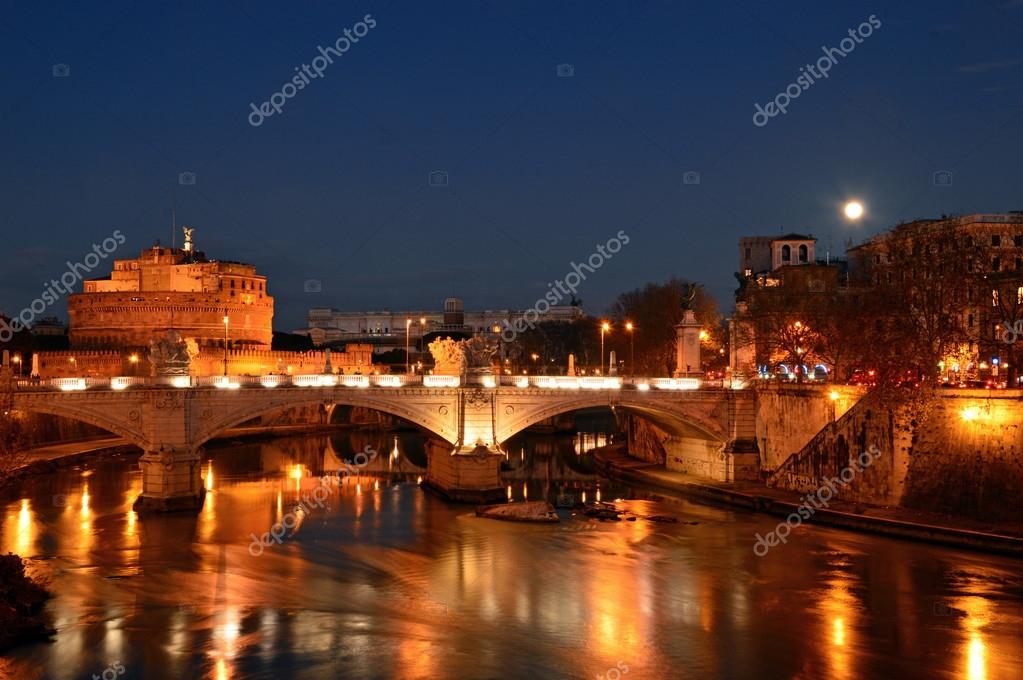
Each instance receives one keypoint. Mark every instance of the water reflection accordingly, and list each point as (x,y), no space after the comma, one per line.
(385,580)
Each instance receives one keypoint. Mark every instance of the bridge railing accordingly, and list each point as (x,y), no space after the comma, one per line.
(553,382)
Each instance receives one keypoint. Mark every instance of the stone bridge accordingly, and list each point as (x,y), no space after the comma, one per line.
(171,421)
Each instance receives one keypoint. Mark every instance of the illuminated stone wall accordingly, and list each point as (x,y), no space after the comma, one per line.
(967,456)
(789,416)
(357,359)
(958,452)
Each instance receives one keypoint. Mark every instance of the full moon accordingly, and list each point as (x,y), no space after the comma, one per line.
(854,210)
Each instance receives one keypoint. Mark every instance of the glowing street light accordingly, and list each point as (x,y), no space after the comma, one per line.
(604,328)
(17,359)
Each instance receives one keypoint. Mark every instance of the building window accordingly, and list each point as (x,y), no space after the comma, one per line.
(996,264)
(996,240)
(1017,240)
(749,254)
(994,298)
(804,253)
(786,254)
(969,321)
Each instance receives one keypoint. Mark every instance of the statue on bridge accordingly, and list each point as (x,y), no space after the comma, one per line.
(171,354)
(474,356)
(479,355)
(688,296)
(448,356)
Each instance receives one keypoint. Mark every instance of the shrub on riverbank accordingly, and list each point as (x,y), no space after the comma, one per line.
(21,605)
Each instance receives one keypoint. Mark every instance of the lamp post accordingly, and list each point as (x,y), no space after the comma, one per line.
(408,325)
(227,321)
(629,326)
(17,359)
(133,359)
(604,328)
(422,338)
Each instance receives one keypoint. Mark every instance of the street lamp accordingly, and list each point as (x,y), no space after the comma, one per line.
(133,359)
(227,322)
(632,348)
(17,359)
(604,328)
(408,324)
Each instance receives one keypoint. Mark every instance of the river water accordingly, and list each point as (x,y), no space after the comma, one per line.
(388,581)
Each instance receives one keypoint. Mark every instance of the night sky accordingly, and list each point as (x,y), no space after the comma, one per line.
(540,168)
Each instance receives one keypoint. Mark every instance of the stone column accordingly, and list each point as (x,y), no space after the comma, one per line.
(171,480)
(687,347)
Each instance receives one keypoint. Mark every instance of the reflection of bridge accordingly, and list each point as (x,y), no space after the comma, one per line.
(171,421)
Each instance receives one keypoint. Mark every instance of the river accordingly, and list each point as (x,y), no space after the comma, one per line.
(388,581)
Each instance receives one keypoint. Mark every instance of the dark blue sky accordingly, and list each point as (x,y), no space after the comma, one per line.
(541,168)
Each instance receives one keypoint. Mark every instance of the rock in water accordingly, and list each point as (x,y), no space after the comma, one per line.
(532,511)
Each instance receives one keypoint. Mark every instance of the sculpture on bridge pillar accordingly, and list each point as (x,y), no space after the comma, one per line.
(687,337)
(479,356)
(171,354)
(448,357)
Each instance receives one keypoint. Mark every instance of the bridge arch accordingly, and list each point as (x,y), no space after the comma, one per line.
(678,419)
(115,421)
(436,419)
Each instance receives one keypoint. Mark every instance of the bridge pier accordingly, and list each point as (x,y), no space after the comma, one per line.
(465,475)
(171,481)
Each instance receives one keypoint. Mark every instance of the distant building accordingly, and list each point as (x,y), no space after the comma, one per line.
(175,288)
(385,329)
(983,251)
(113,320)
(49,326)
(760,254)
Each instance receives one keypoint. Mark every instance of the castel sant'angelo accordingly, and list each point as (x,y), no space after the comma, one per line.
(175,288)
(213,304)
